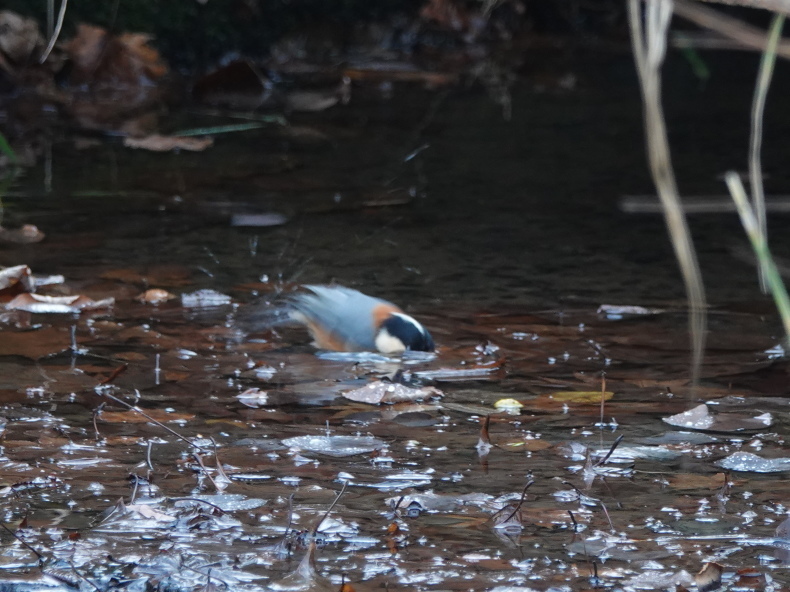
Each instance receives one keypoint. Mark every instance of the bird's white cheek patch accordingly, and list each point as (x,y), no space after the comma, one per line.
(388,344)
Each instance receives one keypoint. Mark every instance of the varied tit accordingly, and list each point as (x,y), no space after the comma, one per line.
(342,319)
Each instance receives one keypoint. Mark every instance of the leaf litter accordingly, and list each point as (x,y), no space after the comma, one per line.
(238,450)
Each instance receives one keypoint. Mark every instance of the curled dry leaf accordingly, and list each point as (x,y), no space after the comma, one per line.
(379,392)
(57,304)
(24,235)
(159,143)
(155,296)
(709,578)
(16,279)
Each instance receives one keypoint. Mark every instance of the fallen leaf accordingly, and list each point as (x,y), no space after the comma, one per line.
(159,143)
(557,399)
(134,417)
(709,578)
(155,296)
(99,56)
(57,304)
(35,344)
(16,279)
(253,397)
(239,85)
(510,406)
(685,481)
(24,235)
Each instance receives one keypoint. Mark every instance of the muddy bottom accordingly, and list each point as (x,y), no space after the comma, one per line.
(169,446)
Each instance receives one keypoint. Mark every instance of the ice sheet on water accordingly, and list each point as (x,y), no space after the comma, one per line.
(751,463)
(204,299)
(335,445)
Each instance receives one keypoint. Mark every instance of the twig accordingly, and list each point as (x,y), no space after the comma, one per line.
(728,26)
(24,544)
(151,419)
(520,501)
(782,6)
(329,509)
(615,444)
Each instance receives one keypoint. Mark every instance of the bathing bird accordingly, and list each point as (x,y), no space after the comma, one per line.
(342,319)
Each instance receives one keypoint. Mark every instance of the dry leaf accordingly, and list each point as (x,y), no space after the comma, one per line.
(16,279)
(34,344)
(155,296)
(123,60)
(27,234)
(57,304)
(697,481)
(134,417)
(158,143)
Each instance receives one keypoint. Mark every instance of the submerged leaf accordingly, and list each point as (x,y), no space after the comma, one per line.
(159,143)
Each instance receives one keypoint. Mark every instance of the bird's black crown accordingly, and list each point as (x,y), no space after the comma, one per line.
(413,335)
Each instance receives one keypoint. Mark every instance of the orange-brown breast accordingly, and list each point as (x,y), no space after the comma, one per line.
(324,339)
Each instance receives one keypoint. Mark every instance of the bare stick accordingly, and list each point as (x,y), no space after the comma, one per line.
(151,419)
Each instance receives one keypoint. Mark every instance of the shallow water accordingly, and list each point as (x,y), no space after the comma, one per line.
(510,241)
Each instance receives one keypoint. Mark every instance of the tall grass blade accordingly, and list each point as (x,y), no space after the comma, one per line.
(649,41)
(751,225)
(756,140)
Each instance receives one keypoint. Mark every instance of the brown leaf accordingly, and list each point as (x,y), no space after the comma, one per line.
(155,296)
(124,60)
(697,481)
(238,85)
(34,344)
(159,143)
(134,417)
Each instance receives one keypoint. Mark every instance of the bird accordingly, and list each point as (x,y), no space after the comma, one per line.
(343,319)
